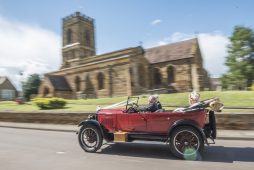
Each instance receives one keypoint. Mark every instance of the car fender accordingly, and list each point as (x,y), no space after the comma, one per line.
(91,122)
(187,122)
(212,123)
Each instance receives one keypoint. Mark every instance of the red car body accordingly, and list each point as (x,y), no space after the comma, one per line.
(146,122)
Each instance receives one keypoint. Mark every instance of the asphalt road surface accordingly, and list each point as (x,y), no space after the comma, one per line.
(47,150)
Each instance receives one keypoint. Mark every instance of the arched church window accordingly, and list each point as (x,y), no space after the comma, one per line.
(77,83)
(45,91)
(171,74)
(69,36)
(131,76)
(87,38)
(100,79)
(157,77)
(89,86)
(141,73)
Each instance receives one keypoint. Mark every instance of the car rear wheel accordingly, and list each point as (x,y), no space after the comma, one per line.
(90,138)
(186,143)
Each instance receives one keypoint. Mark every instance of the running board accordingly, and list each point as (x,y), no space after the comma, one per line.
(127,137)
(147,137)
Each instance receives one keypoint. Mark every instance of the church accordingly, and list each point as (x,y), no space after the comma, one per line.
(175,67)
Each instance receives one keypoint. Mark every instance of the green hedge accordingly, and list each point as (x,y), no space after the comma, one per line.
(49,103)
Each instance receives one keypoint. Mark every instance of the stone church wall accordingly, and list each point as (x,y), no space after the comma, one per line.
(182,77)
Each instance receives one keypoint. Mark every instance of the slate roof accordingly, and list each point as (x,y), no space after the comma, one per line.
(9,85)
(170,52)
(59,83)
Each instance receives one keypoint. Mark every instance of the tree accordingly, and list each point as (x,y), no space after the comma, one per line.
(31,86)
(240,59)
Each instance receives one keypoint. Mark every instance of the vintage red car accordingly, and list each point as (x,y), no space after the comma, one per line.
(186,130)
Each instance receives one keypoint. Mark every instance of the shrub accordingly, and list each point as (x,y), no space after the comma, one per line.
(49,103)
(252,87)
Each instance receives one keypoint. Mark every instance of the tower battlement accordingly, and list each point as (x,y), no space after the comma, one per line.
(79,16)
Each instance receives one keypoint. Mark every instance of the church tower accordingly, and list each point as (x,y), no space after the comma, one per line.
(78,38)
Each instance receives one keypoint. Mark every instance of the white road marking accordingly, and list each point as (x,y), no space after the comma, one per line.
(60,152)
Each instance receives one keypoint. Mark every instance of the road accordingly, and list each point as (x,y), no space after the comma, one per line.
(22,149)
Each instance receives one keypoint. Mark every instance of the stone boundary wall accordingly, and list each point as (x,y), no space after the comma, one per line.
(237,121)
(49,118)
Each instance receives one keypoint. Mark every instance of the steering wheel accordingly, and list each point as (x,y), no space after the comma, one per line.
(133,108)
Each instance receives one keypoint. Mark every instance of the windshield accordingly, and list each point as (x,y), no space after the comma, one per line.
(123,104)
(132,100)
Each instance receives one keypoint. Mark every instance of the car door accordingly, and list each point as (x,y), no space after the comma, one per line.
(159,122)
(132,122)
(138,122)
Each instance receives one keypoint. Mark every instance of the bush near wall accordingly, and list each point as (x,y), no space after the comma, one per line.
(252,87)
(49,103)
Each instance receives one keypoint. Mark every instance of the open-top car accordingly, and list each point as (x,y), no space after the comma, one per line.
(186,129)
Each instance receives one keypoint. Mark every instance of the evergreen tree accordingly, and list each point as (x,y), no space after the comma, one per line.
(240,59)
(31,86)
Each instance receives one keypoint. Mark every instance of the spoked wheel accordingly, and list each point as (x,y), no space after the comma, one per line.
(90,138)
(186,143)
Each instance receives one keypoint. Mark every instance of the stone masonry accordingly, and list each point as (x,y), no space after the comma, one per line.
(169,68)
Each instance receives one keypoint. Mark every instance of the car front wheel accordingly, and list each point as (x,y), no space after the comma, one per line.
(90,138)
(186,143)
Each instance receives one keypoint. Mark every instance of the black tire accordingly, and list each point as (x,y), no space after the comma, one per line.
(186,143)
(90,138)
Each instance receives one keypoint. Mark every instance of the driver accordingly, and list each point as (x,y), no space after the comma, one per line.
(152,107)
(158,101)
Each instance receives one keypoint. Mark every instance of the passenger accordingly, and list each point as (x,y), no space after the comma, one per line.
(194,97)
(158,102)
(152,107)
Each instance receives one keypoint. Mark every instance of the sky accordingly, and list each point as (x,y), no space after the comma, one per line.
(31,31)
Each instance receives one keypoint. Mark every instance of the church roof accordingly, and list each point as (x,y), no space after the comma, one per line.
(170,52)
(59,83)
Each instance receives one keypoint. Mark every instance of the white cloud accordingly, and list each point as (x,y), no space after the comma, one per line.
(213,48)
(175,37)
(156,22)
(27,48)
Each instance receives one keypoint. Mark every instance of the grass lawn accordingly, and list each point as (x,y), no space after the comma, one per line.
(228,98)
